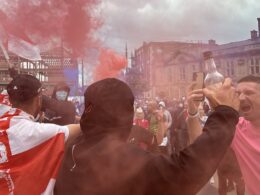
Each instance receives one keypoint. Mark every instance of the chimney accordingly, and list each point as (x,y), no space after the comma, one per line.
(212,42)
(253,35)
(258,19)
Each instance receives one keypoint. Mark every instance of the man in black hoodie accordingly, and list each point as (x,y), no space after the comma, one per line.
(58,109)
(101,162)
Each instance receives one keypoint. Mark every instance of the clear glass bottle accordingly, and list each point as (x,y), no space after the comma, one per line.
(213,77)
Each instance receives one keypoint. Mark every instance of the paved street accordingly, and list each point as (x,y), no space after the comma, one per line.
(208,190)
(211,189)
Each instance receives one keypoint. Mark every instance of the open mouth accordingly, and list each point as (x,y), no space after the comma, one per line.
(245,108)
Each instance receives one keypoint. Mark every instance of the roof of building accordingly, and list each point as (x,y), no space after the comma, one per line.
(236,44)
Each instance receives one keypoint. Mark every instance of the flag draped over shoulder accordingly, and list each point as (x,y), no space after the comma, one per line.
(4,98)
(5,104)
(30,153)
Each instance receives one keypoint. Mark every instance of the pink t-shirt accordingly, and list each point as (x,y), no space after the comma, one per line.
(246,145)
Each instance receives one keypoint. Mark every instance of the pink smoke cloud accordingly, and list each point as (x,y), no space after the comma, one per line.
(53,21)
(110,64)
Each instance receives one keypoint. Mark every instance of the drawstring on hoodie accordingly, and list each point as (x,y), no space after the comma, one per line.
(72,155)
(74,161)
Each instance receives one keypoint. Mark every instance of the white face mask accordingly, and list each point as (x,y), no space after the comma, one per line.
(61,95)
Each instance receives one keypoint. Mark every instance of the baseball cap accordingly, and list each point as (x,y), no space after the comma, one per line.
(24,87)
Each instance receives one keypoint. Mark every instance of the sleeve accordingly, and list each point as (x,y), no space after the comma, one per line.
(26,134)
(46,130)
(194,166)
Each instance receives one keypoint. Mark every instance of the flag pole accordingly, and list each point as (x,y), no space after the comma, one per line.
(6,55)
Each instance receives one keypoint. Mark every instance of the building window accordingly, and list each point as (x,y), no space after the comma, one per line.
(182,73)
(228,69)
(162,76)
(155,77)
(241,62)
(254,68)
(169,75)
(232,68)
(257,66)
(252,61)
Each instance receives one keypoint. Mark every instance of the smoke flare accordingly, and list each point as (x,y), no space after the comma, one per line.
(52,22)
(110,64)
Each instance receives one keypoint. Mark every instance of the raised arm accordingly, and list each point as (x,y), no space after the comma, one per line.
(187,172)
(193,122)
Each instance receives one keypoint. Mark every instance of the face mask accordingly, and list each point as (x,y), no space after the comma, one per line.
(61,95)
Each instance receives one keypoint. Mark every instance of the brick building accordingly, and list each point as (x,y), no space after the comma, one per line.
(168,66)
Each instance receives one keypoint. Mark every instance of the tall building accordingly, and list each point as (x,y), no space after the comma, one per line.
(168,67)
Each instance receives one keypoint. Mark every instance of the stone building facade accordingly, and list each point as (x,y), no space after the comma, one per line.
(168,66)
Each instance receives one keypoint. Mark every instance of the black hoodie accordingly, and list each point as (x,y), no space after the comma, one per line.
(56,111)
(100,162)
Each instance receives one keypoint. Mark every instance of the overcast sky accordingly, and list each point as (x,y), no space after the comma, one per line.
(135,21)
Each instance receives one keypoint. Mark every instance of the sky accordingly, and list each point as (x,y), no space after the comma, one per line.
(135,21)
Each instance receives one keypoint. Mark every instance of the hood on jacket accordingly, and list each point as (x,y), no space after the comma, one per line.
(60,86)
(108,109)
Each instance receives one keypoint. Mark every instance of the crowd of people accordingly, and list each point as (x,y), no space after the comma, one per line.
(123,146)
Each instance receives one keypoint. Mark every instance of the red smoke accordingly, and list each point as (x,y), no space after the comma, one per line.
(70,22)
(110,64)
(55,23)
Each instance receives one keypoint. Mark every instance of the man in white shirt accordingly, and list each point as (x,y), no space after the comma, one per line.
(30,152)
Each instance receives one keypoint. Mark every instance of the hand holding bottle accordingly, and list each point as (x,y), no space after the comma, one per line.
(194,98)
(213,77)
(222,95)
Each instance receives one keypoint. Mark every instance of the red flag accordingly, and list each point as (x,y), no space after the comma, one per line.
(15,40)
(24,160)
(23,48)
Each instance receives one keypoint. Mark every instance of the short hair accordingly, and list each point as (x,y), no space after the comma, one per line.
(250,78)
